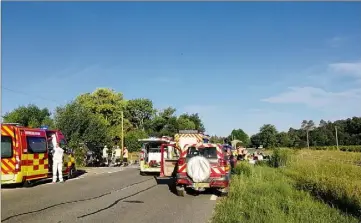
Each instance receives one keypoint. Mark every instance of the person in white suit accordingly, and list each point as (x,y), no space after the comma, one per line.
(58,163)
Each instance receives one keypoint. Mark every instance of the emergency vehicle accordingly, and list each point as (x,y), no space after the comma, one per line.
(200,165)
(150,155)
(24,154)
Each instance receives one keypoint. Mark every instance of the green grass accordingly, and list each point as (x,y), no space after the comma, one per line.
(266,194)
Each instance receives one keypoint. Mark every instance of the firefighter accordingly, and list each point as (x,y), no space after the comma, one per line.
(125,156)
(58,163)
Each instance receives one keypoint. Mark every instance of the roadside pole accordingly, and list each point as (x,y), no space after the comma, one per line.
(122,139)
(336,137)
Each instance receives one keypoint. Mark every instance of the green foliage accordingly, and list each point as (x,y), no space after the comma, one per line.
(198,124)
(185,123)
(79,124)
(105,102)
(239,134)
(279,158)
(268,136)
(30,116)
(131,140)
(139,111)
(348,132)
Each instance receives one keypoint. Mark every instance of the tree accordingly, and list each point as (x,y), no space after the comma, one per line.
(283,140)
(131,140)
(79,124)
(30,116)
(105,102)
(185,123)
(139,111)
(240,135)
(195,119)
(308,126)
(268,136)
(256,140)
(216,139)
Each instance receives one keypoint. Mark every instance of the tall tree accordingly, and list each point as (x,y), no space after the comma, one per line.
(195,119)
(240,135)
(139,111)
(30,116)
(268,136)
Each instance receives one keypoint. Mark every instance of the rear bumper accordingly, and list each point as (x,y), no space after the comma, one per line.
(11,178)
(212,182)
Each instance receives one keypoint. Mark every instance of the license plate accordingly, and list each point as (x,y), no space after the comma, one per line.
(197,185)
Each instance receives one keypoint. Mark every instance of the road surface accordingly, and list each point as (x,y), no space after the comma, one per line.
(122,196)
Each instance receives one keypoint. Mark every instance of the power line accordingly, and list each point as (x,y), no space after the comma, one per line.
(31,95)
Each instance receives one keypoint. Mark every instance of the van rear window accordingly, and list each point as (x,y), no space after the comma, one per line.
(208,152)
(36,144)
(6,147)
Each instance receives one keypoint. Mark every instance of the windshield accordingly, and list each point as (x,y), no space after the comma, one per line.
(36,144)
(6,147)
(208,152)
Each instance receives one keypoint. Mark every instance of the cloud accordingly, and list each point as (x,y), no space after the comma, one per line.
(347,69)
(317,97)
(336,41)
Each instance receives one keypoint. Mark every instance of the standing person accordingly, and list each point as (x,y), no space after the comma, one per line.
(58,163)
(125,156)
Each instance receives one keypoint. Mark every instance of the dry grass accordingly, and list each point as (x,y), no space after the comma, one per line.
(315,186)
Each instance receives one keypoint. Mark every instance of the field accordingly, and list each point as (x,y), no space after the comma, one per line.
(297,186)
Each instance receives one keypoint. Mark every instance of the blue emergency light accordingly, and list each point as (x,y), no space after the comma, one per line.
(45,127)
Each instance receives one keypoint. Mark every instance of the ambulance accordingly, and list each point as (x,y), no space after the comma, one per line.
(25,155)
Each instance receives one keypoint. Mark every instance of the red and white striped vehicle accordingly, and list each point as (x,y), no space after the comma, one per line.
(201,166)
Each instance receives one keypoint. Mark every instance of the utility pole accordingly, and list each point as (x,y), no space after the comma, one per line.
(122,139)
(336,137)
(308,142)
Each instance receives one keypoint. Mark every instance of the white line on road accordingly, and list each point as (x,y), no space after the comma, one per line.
(213,197)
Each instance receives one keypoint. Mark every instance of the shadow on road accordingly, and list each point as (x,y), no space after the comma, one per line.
(78,173)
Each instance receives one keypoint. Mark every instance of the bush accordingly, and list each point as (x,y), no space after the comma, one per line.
(279,158)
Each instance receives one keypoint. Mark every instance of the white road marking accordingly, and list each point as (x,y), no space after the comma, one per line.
(213,197)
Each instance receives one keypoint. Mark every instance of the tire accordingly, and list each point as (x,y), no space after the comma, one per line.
(181,192)
(71,173)
(28,183)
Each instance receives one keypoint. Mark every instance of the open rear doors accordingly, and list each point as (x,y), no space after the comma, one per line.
(168,164)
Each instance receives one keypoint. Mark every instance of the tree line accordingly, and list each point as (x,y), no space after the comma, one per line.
(321,135)
(96,119)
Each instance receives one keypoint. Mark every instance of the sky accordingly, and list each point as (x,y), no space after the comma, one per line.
(237,64)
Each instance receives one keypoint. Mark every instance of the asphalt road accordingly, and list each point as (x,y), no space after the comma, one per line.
(123,196)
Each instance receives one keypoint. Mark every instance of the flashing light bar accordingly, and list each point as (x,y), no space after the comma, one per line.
(188,132)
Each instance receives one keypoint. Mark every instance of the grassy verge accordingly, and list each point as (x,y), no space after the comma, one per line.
(331,176)
(266,194)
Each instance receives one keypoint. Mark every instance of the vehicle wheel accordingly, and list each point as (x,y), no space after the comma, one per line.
(181,191)
(28,183)
(71,173)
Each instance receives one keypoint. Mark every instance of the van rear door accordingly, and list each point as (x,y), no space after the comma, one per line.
(37,153)
(8,161)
